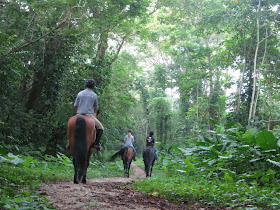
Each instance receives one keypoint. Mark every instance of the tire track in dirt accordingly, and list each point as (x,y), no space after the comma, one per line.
(104,193)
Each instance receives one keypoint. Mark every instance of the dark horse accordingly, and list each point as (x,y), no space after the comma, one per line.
(149,157)
(126,154)
(81,135)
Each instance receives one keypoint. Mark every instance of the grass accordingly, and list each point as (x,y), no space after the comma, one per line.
(215,192)
(20,176)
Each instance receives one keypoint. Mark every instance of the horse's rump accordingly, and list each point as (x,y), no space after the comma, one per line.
(123,151)
(118,153)
(90,131)
(149,155)
(81,135)
(130,152)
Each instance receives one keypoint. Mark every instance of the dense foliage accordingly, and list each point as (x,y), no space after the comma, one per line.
(233,168)
(203,75)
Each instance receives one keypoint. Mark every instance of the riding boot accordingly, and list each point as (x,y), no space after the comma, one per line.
(97,144)
(134,156)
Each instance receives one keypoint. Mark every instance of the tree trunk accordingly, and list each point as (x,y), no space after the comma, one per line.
(35,92)
(240,86)
(250,120)
(102,45)
(161,131)
(259,78)
(47,69)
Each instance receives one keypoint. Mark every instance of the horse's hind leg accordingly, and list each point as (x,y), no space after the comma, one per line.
(128,168)
(125,170)
(87,165)
(75,174)
(151,168)
(84,180)
(147,169)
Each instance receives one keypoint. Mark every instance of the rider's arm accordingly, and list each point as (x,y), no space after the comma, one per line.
(76,109)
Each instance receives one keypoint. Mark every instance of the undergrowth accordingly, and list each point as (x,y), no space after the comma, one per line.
(20,176)
(184,188)
(228,167)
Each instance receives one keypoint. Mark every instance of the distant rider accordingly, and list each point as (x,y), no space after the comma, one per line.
(150,142)
(129,141)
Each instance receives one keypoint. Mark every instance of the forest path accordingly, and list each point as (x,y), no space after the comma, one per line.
(105,193)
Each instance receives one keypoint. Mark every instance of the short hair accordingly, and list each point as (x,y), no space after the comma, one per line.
(151,133)
(130,131)
(90,83)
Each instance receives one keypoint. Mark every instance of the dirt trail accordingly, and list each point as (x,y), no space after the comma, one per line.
(104,193)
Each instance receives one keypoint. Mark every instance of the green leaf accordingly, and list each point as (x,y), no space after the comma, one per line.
(14,159)
(228,178)
(18,199)
(231,124)
(248,137)
(221,129)
(200,143)
(165,168)
(3,150)
(42,149)
(26,193)
(264,179)
(27,162)
(243,148)
(187,151)
(5,200)
(190,167)
(266,140)
(214,122)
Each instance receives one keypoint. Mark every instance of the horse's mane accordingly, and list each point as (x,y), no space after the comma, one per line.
(120,152)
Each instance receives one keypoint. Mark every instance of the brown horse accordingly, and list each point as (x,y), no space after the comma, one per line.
(127,154)
(81,135)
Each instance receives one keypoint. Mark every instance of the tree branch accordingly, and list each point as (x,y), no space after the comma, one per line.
(38,39)
(118,51)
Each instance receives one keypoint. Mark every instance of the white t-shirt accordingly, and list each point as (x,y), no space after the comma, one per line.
(129,141)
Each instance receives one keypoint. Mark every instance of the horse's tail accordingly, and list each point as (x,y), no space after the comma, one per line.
(80,148)
(119,153)
(148,159)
